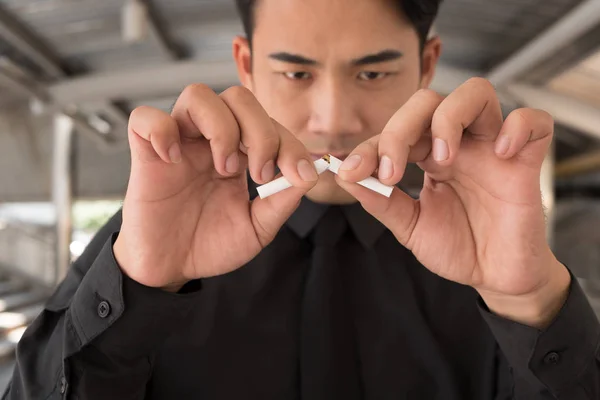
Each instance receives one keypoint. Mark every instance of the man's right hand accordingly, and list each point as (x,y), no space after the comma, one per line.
(187,214)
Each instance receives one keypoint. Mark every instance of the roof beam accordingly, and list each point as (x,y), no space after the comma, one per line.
(32,89)
(566,110)
(159,35)
(144,83)
(170,79)
(573,25)
(19,37)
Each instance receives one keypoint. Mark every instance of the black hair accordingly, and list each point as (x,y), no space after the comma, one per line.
(420,13)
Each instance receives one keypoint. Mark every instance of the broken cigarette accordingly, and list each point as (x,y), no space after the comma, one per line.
(281,183)
(370,183)
(327,162)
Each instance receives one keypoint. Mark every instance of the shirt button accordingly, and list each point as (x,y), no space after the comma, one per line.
(552,358)
(63,385)
(103,309)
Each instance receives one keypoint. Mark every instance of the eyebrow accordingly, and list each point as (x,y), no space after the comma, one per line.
(292,58)
(381,57)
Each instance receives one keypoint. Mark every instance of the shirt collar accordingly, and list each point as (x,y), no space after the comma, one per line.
(365,227)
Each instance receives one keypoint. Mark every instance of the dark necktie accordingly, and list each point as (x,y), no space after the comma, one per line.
(328,360)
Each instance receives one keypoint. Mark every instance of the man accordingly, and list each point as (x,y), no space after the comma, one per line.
(201,292)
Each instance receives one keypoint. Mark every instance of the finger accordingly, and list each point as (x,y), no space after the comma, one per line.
(294,161)
(522,128)
(404,139)
(365,160)
(402,134)
(200,113)
(258,134)
(153,135)
(362,162)
(399,213)
(473,107)
(268,215)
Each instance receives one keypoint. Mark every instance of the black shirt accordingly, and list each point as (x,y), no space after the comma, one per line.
(334,308)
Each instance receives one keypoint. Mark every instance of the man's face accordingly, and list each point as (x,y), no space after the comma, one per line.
(333,72)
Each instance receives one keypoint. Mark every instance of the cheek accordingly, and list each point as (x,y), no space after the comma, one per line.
(287,108)
(378,110)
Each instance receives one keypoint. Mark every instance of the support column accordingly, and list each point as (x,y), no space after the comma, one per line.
(62,192)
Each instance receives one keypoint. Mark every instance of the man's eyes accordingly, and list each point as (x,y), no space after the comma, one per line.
(372,75)
(297,75)
(363,75)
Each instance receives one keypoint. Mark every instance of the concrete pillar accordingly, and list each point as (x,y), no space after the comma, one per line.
(62,195)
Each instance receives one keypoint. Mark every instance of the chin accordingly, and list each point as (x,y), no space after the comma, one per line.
(328,191)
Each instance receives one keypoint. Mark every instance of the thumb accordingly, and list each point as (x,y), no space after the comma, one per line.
(269,214)
(399,213)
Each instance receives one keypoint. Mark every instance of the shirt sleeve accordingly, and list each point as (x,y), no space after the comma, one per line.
(97,335)
(561,362)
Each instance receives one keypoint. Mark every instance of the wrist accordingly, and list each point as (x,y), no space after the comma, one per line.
(141,274)
(536,309)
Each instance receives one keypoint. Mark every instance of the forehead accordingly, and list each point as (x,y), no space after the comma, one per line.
(349,26)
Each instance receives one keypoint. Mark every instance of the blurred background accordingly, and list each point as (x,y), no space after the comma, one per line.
(72,70)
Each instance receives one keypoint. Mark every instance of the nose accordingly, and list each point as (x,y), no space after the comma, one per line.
(335,113)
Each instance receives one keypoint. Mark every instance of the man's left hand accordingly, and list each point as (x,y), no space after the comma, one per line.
(479,220)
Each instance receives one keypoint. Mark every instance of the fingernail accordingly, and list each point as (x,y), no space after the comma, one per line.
(175,153)
(440,150)
(232,163)
(351,163)
(386,168)
(268,171)
(307,171)
(502,145)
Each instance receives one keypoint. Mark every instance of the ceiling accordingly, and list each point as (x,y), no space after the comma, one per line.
(477,34)
(70,55)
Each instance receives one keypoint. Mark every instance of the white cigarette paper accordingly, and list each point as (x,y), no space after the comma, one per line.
(370,182)
(281,183)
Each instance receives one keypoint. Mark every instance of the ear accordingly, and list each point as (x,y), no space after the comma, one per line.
(243,59)
(430,57)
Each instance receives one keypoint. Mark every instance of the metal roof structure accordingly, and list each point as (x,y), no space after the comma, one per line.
(69,57)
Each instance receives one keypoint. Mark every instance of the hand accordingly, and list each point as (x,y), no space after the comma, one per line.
(479,220)
(187,214)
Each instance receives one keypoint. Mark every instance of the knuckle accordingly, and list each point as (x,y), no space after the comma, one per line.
(153,120)
(523,115)
(196,90)
(428,95)
(373,144)
(442,118)
(140,112)
(532,118)
(389,133)
(271,142)
(481,83)
(542,115)
(238,93)
(520,113)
